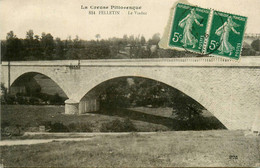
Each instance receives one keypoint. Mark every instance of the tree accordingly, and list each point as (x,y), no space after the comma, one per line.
(131,40)
(3,93)
(48,45)
(248,52)
(56,99)
(37,37)
(116,94)
(155,39)
(97,51)
(256,45)
(125,39)
(77,42)
(97,36)
(14,47)
(10,35)
(59,52)
(72,53)
(29,35)
(32,46)
(143,41)
(186,108)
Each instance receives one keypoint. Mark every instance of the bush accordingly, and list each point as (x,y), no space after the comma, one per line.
(56,99)
(118,126)
(248,52)
(21,100)
(58,127)
(11,131)
(5,124)
(47,124)
(3,93)
(72,127)
(9,99)
(34,101)
(79,127)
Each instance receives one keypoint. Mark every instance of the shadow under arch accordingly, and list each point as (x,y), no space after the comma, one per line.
(182,83)
(192,90)
(26,79)
(101,87)
(139,115)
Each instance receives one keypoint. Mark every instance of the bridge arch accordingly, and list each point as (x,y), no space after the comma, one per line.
(29,74)
(194,90)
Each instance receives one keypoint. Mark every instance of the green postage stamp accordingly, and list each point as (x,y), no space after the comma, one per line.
(207,32)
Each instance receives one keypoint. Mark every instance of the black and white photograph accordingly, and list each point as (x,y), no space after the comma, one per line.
(130,83)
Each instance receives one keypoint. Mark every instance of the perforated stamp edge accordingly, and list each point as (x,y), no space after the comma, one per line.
(164,42)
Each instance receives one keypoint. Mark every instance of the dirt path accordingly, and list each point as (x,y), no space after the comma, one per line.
(61,137)
(38,141)
(85,133)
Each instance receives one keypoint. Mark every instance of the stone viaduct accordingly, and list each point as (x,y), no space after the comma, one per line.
(229,90)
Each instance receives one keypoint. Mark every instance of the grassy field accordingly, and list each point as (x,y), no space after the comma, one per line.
(181,148)
(170,148)
(30,117)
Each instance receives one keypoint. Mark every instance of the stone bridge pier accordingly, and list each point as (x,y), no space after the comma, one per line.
(90,102)
(84,106)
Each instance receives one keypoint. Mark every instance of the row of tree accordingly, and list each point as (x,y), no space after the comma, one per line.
(45,47)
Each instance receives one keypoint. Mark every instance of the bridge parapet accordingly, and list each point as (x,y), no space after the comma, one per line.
(189,61)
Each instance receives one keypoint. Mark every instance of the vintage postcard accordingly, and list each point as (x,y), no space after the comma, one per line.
(130,83)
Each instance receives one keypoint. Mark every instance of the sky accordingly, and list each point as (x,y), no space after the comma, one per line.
(64,18)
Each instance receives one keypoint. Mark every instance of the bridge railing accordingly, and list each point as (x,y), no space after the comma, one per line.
(194,61)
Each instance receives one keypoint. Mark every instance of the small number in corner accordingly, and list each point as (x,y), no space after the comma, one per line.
(233,157)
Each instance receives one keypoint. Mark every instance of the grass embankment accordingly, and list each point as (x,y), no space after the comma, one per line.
(17,119)
(181,148)
(29,118)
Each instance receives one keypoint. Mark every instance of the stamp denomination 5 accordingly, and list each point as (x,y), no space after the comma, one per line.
(206,31)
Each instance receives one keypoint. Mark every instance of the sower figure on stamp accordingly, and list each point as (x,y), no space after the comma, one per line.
(187,22)
(223,31)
